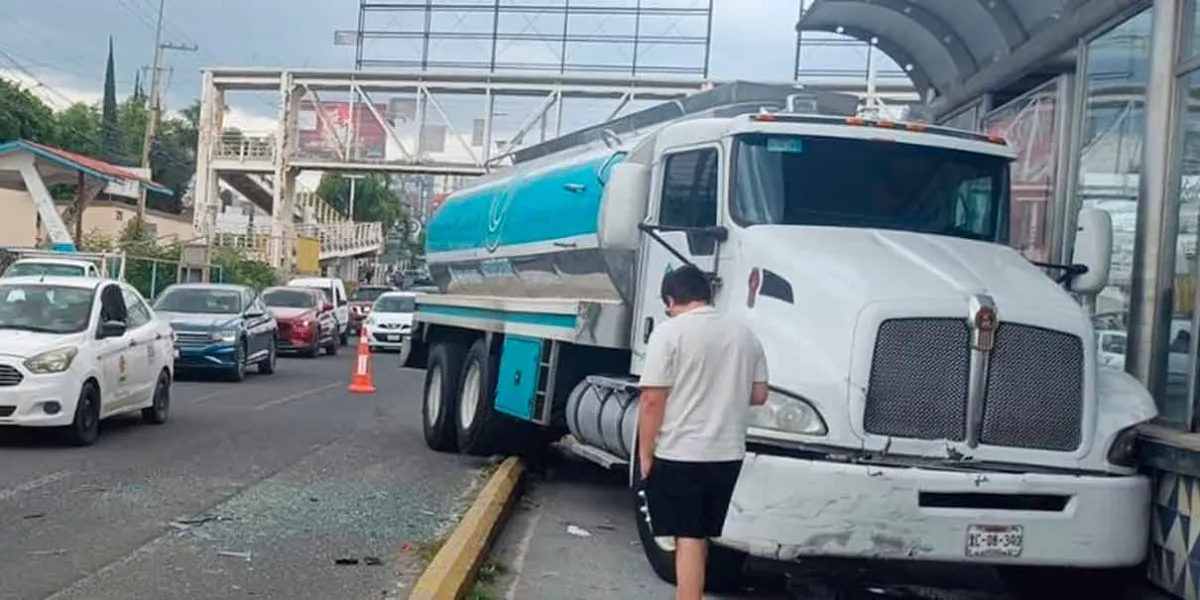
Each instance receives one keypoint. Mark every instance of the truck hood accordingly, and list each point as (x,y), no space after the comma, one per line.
(26,344)
(842,280)
(199,321)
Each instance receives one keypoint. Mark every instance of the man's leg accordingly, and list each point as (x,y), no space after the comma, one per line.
(691,554)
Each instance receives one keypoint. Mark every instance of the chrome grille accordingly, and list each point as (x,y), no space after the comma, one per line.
(918,384)
(1035,389)
(193,339)
(9,376)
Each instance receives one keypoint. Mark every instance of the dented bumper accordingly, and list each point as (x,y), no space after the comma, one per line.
(787,508)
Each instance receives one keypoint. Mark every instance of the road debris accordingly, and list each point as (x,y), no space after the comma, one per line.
(372,561)
(58,552)
(231,554)
(578,531)
(345,561)
(32,516)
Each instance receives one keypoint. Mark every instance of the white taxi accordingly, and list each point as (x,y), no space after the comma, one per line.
(74,351)
(391,321)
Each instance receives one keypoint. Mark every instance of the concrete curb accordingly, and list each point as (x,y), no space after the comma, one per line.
(451,573)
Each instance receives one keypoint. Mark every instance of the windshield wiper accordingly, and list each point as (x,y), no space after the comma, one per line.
(32,328)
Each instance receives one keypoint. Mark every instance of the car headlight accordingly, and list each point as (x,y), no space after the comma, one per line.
(225,336)
(787,414)
(1123,452)
(54,361)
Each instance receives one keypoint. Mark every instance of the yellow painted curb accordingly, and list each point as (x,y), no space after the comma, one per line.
(452,571)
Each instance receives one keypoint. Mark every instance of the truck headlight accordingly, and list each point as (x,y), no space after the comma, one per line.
(54,361)
(788,414)
(1123,452)
(228,337)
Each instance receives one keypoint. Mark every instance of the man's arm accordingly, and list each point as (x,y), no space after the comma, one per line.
(651,408)
(658,376)
(760,391)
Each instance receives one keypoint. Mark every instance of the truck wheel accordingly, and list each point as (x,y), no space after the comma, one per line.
(724,569)
(441,394)
(481,430)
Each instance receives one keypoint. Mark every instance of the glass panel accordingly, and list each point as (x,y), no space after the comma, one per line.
(1114,123)
(1191,33)
(1028,123)
(1174,399)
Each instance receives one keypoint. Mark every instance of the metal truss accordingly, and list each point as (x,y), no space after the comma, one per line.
(562,36)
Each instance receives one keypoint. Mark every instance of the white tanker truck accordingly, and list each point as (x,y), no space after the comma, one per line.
(935,396)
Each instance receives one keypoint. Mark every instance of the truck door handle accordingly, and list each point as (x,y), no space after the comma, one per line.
(575,188)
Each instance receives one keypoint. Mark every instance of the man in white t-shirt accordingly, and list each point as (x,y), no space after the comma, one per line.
(702,373)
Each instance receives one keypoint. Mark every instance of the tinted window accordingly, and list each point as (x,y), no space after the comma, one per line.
(290,298)
(137,313)
(45,308)
(396,304)
(689,195)
(837,182)
(200,300)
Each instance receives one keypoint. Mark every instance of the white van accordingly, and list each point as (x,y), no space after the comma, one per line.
(335,290)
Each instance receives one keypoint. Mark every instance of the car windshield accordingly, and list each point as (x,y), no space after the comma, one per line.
(396,304)
(838,182)
(200,300)
(45,308)
(290,299)
(368,294)
(51,269)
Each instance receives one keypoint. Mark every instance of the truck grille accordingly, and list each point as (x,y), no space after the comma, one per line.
(919,384)
(1034,390)
(192,339)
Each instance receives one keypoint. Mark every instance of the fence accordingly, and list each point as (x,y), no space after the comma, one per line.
(152,275)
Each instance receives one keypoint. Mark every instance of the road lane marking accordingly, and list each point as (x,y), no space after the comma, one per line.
(518,564)
(297,396)
(34,484)
(207,397)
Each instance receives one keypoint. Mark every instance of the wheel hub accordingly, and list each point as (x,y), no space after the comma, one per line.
(433,396)
(469,403)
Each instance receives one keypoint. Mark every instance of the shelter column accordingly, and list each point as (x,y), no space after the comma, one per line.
(206,190)
(1150,303)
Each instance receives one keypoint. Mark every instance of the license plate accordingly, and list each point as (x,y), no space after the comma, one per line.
(393,338)
(995,540)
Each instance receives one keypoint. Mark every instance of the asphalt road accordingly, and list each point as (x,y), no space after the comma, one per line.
(572,535)
(250,490)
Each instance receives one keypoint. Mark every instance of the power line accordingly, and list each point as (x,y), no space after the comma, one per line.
(156,96)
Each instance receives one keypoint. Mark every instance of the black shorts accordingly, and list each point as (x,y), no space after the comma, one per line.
(690,499)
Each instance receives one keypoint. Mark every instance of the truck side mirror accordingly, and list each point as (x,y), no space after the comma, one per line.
(1093,250)
(626,198)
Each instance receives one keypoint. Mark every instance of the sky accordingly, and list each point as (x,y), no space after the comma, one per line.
(62,44)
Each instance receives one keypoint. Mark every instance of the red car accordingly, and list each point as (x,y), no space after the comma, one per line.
(306,320)
(361,302)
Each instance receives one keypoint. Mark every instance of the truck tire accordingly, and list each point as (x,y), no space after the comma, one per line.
(481,430)
(724,569)
(438,415)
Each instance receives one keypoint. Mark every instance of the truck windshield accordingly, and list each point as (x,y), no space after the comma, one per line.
(839,182)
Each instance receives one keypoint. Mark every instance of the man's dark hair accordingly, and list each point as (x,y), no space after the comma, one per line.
(685,285)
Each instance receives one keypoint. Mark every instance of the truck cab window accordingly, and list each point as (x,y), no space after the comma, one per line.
(689,195)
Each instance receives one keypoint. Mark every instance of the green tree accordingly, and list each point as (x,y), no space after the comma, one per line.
(24,115)
(110,143)
(79,129)
(375,197)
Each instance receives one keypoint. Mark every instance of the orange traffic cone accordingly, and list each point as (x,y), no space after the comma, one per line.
(362,382)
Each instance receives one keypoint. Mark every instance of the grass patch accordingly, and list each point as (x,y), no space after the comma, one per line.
(488,573)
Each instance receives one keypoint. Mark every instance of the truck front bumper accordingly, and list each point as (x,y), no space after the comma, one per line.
(787,508)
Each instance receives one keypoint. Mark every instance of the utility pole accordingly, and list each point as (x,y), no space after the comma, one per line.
(156,98)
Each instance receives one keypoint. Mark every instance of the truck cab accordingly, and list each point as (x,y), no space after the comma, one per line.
(934,395)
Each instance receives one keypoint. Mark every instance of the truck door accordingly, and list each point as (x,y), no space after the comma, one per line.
(685,193)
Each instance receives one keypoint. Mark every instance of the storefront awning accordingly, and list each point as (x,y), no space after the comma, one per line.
(958,50)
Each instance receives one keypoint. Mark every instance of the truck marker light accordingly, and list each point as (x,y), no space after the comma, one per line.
(755,283)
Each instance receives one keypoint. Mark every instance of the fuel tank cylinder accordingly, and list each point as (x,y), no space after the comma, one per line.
(603,417)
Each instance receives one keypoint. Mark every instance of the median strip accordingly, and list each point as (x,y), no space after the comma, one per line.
(453,569)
